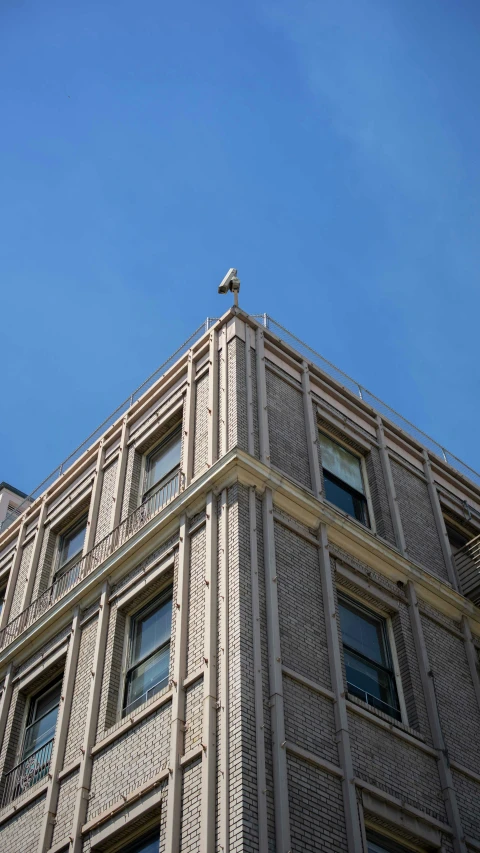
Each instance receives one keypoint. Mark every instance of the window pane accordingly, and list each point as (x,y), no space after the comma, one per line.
(342,497)
(369,681)
(152,630)
(50,699)
(163,461)
(73,543)
(149,844)
(341,463)
(148,678)
(363,633)
(40,732)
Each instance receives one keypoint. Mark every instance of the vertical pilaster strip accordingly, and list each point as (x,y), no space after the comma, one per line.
(120,474)
(224,390)
(213,400)
(189,421)
(352,823)
(275,679)
(312,433)
(56,764)
(94,500)
(13,576)
(32,569)
(257,679)
(85,772)
(439,522)
(262,398)
(207,825)
(249,386)
(390,487)
(174,801)
(224,760)
(5,702)
(426,675)
(472,657)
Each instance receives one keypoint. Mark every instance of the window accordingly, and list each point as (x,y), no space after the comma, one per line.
(148,844)
(456,538)
(367,658)
(42,719)
(378,844)
(342,476)
(37,743)
(2,599)
(71,547)
(149,653)
(162,463)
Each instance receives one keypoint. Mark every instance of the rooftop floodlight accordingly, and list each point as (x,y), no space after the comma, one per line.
(230,283)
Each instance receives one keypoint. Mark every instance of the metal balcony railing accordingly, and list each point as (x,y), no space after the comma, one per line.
(467,561)
(107,546)
(27,773)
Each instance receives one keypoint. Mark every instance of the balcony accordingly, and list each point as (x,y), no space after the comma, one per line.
(27,773)
(90,561)
(467,561)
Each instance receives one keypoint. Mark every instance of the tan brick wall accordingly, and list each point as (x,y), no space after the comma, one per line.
(286,428)
(105,510)
(21,833)
(83,680)
(317,823)
(115,773)
(65,808)
(200,440)
(423,543)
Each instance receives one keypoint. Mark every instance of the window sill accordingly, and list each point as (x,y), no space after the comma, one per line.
(385,721)
(126,724)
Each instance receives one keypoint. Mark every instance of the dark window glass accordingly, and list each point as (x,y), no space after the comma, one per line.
(456,538)
(148,844)
(42,719)
(342,476)
(367,658)
(149,653)
(71,546)
(163,462)
(378,844)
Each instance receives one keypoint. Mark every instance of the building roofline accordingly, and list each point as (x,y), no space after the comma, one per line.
(10,488)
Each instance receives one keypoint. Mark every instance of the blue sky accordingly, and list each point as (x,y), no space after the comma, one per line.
(329,150)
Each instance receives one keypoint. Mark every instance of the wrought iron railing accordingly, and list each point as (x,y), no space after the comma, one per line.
(107,546)
(467,561)
(27,773)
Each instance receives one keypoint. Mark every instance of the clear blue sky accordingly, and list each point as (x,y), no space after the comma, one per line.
(329,150)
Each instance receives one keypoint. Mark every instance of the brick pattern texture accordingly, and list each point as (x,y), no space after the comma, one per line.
(418,522)
(237,395)
(191,805)
(21,581)
(196,602)
(300,597)
(114,773)
(66,801)
(286,429)
(105,510)
(453,684)
(200,442)
(83,679)
(317,823)
(21,833)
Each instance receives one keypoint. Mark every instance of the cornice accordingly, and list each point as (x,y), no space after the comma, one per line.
(297,502)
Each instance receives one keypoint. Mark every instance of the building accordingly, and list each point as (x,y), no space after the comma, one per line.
(11,500)
(244,619)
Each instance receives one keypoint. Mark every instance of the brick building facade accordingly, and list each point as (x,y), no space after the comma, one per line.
(245,619)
